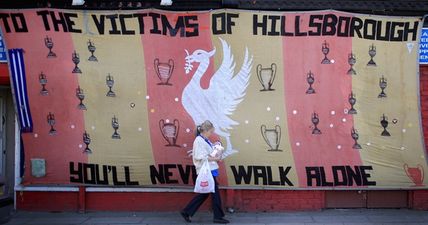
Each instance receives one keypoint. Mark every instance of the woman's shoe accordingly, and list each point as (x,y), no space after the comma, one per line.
(221,220)
(185,216)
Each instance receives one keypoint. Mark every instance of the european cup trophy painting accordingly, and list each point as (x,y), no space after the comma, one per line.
(272,137)
(266,76)
(169,131)
(164,71)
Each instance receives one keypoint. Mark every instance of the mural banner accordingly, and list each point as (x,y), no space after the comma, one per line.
(320,99)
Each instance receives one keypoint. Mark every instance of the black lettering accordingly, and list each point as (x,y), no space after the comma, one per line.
(91,174)
(166,26)
(257,25)
(408,30)
(58,21)
(316,25)
(114,29)
(313,173)
(122,21)
(105,175)
(99,23)
(241,173)
(70,22)
(140,17)
(219,18)
(366,175)
(44,14)
(353,176)
(379,36)
(157,176)
(273,31)
(329,25)
(128,177)
(297,27)
(169,174)
(283,31)
(394,31)
(230,22)
(370,29)
(324,181)
(270,180)
(22,25)
(194,26)
(283,175)
(343,26)
(337,181)
(115,178)
(259,172)
(76,175)
(155,29)
(184,174)
(356,25)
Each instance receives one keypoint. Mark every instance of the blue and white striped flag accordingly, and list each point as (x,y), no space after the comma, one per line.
(17,68)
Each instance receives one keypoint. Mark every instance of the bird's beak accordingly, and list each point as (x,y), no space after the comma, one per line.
(211,53)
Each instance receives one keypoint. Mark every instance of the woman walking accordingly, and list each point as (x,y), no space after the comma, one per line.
(202,149)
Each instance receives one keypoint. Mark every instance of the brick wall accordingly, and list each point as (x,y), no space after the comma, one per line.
(420,198)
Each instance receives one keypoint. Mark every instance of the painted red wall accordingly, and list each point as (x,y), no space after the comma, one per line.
(242,200)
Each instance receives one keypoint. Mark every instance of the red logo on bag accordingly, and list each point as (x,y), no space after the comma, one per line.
(204,184)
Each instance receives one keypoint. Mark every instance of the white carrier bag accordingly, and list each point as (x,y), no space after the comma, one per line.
(205,181)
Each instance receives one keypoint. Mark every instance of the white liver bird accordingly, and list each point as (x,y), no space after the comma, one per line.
(225,92)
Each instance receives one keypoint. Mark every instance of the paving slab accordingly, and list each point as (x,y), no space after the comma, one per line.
(325,217)
(112,220)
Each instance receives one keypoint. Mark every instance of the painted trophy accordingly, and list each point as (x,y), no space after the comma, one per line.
(81,96)
(110,83)
(266,76)
(272,137)
(76,60)
(352,100)
(115,125)
(384,123)
(355,136)
(91,49)
(325,50)
(382,84)
(87,141)
(416,174)
(351,61)
(372,53)
(49,44)
(311,80)
(169,131)
(51,122)
(164,71)
(315,121)
(43,81)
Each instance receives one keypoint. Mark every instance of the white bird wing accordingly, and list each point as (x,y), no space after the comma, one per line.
(227,90)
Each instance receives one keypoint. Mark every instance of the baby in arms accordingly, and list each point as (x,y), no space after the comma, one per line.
(217,149)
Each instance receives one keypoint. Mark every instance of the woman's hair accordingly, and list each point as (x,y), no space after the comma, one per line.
(205,126)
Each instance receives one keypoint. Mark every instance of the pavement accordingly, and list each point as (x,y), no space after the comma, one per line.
(325,217)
